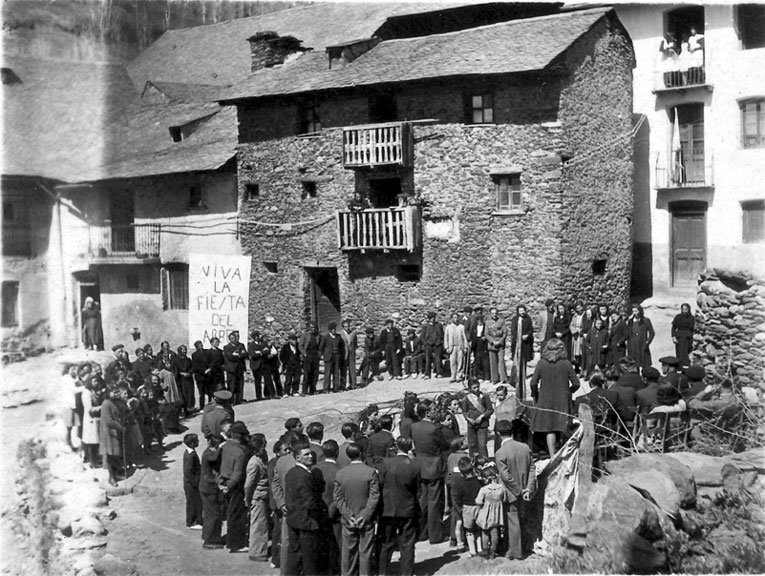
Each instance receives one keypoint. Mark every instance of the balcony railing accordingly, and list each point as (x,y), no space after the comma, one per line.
(680,74)
(679,172)
(17,240)
(377,145)
(119,241)
(380,229)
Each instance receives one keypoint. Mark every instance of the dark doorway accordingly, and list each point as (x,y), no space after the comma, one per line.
(384,192)
(382,106)
(122,215)
(88,286)
(680,21)
(689,242)
(324,293)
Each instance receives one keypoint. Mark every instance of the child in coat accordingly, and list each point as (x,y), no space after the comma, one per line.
(458,447)
(490,498)
(192,471)
(465,489)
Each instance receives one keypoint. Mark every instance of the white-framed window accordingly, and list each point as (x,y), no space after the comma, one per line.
(508,191)
(175,287)
(753,123)
(10,308)
(480,108)
(753,221)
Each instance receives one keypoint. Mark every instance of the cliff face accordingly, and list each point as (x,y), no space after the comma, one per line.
(110,30)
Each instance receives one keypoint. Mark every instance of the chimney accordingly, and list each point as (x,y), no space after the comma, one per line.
(342,54)
(268,49)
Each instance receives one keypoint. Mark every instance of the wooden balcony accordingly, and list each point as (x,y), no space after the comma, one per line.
(377,145)
(17,239)
(684,172)
(380,229)
(118,243)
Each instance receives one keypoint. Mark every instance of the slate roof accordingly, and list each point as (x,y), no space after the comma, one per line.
(78,122)
(53,121)
(219,54)
(508,47)
(186,93)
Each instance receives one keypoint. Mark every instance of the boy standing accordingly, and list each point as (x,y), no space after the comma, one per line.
(192,470)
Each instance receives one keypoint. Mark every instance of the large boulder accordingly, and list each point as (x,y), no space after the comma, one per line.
(665,480)
(707,470)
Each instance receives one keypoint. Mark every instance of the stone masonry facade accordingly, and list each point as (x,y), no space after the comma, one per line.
(571,216)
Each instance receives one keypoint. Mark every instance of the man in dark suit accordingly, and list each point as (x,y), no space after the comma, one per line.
(647,397)
(381,442)
(605,403)
(215,358)
(234,358)
(432,336)
(392,345)
(518,474)
(315,433)
(306,513)
(233,458)
(414,358)
(328,468)
(283,465)
(332,349)
(349,430)
(400,481)
(429,446)
(309,350)
(291,361)
(356,494)
(256,360)
(216,412)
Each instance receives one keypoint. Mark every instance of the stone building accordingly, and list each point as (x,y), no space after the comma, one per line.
(401,175)
(700,151)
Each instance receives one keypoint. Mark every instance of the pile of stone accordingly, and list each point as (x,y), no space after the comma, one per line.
(730,326)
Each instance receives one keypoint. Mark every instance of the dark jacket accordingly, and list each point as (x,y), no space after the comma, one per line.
(412,347)
(432,334)
(381,446)
(303,494)
(527,345)
(400,481)
(192,469)
(390,338)
(357,492)
(290,359)
(429,447)
(233,459)
(231,362)
(209,469)
(330,345)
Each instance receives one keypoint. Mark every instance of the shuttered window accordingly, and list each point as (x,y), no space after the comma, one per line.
(175,287)
(753,123)
(753,221)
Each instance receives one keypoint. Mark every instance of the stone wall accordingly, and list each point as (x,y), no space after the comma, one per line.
(730,325)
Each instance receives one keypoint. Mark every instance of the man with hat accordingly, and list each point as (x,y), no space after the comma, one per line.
(432,336)
(234,358)
(392,345)
(669,371)
(256,361)
(332,349)
(309,351)
(292,362)
(647,397)
(233,459)
(120,362)
(215,413)
(630,377)
(693,383)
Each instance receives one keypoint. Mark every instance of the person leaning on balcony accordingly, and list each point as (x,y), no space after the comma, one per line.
(696,53)
(668,49)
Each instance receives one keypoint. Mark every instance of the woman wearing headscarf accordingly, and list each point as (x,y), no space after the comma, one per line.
(92,332)
(552,384)
(682,334)
(641,335)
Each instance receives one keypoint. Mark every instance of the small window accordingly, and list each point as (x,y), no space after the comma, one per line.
(309,189)
(195,197)
(175,133)
(9,212)
(10,314)
(271,267)
(750,19)
(599,266)
(408,272)
(753,221)
(481,109)
(309,120)
(175,287)
(753,123)
(508,189)
(252,190)
(131,281)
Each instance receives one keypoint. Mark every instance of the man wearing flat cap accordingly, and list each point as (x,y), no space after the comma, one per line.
(332,349)
(432,336)
(233,459)
(392,345)
(669,365)
(215,413)
(120,362)
(693,382)
(647,397)
(292,362)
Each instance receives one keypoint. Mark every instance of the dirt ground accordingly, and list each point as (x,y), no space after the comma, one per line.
(148,534)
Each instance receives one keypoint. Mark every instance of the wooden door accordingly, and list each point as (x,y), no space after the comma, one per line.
(122,215)
(325,297)
(689,246)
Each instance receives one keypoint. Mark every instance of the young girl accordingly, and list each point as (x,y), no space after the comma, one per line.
(465,489)
(490,498)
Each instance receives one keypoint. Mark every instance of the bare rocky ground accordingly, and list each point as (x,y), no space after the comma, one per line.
(144,519)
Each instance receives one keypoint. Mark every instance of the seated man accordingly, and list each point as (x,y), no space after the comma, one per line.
(713,401)
(605,403)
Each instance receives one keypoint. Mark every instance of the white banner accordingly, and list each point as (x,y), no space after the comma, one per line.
(219,297)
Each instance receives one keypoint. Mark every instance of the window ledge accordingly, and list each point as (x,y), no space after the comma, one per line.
(518,212)
(491,125)
(310,135)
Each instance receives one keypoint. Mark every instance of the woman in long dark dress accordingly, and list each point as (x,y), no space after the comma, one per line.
(641,335)
(682,334)
(184,378)
(552,384)
(92,331)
